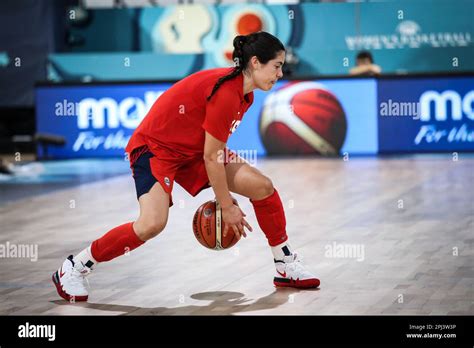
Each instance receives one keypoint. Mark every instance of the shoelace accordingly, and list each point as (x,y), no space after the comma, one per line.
(292,259)
(296,265)
(77,278)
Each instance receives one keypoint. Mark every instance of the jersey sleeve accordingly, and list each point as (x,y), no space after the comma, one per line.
(219,114)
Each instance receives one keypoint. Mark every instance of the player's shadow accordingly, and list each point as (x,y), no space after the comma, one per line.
(222,303)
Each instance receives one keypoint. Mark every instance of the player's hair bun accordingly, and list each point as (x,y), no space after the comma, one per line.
(238,54)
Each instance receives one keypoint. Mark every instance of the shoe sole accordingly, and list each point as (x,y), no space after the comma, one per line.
(299,284)
(63,294)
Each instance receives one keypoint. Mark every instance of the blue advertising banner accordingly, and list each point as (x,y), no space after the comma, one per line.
(327,117)
(97,121)
(426,114)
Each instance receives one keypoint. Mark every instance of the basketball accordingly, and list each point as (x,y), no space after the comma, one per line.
(208,227)
(303,118)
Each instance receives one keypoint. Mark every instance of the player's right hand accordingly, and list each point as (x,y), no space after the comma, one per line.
(234,220)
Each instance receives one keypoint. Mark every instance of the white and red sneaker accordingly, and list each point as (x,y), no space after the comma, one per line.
(70,280)
(292,273)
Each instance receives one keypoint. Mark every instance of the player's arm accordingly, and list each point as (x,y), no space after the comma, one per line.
(366,69)
(232,215)
(213,150)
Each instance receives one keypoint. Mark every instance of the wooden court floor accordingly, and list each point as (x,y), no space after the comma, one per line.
(384,235)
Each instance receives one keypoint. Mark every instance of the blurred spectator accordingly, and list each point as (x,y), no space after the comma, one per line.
(365,65)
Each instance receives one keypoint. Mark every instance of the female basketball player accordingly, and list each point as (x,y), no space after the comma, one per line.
(183,138)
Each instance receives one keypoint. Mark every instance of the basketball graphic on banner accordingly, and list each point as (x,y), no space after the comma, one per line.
(303,118)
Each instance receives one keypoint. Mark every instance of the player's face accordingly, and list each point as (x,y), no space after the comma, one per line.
(266,75)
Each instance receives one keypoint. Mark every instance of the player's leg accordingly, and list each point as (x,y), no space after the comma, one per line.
(154,204)
(154,208)
(248,181)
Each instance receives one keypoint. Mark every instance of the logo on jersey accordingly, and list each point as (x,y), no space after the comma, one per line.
(233,126)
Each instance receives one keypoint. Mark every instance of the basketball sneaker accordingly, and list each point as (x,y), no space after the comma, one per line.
(292,273)
(70,280)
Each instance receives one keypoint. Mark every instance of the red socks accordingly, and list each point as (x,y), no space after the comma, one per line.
(122,239)
(116,242)
(271,218)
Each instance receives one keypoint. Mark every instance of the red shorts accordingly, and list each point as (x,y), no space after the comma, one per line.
(190,174)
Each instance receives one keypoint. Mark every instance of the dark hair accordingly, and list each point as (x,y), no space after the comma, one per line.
(365,55)
(261,44)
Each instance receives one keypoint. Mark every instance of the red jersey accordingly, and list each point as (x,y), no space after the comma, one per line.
(175,126)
